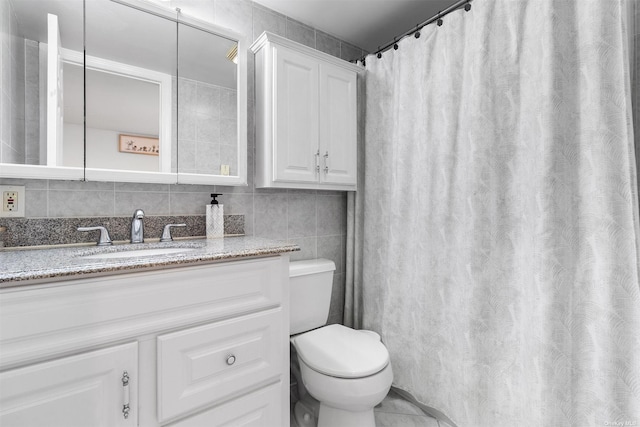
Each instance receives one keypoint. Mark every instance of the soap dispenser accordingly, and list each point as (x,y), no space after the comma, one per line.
(215,218)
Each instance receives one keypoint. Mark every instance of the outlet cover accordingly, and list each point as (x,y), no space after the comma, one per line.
(13,201)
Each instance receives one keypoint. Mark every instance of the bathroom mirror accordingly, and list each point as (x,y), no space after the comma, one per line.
(212,105)
(145,81)
(35,33)
(208,106)
(130,69)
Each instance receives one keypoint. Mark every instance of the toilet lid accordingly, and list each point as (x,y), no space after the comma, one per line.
(342,352)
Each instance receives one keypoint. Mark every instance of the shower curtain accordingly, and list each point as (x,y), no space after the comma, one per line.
(496,231)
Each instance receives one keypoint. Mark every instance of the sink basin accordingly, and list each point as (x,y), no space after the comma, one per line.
(136,253)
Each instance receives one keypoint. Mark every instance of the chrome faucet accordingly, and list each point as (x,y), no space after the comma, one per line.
(166,232)
(137,227)
(104,239)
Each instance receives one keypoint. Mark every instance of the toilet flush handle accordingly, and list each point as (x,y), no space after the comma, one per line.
(231,359)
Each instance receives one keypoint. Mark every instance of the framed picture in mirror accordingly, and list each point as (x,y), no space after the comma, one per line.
(139,145)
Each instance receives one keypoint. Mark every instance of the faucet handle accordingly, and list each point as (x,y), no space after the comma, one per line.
(166,233)
(104,239)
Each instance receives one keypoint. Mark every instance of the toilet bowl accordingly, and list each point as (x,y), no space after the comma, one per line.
(346,370)
(347,402)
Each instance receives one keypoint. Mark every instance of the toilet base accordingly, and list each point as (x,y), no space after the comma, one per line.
(306,412)
(334,417)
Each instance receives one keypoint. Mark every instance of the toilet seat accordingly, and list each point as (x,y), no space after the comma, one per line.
(342,352)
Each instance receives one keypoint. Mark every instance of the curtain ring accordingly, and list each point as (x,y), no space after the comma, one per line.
(439,22)
(395,45)
(467,7)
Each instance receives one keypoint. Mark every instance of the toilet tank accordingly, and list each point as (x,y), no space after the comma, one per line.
(310,285)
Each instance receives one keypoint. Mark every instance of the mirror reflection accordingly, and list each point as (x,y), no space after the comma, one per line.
(119,108)
(131,66)
(34,32)
(143,98)
(207,103)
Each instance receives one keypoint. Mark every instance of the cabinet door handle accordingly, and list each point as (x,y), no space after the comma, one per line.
(231,359)
(326,162)
(125,400)
(318,161)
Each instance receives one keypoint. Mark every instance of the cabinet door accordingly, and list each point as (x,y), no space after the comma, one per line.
(82,390)
(338,125)
(296,117)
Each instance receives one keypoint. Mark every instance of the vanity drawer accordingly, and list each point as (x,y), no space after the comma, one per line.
(258,408)
(206,364)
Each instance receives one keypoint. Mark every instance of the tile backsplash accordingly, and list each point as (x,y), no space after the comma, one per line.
(21,232)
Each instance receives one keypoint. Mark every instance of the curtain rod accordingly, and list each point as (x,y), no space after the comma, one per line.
(437,17)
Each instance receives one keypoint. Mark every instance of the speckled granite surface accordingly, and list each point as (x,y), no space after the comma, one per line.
(62,231)
(23,267)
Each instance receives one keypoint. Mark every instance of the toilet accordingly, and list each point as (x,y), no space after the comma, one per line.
(344,372)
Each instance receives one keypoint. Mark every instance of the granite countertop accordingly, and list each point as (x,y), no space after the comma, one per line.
(22,267)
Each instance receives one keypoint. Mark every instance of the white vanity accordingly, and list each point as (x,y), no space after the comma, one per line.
(200,338)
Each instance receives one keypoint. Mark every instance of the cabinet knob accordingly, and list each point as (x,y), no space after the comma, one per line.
(231,359)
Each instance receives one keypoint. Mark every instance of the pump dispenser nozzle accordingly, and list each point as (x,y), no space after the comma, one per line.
(214,195)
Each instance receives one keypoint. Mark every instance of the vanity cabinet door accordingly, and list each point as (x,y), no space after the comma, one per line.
(82,390)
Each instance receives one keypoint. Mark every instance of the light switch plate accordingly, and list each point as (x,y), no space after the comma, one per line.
(13,201)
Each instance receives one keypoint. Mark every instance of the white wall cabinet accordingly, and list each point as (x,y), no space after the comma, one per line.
(201,345)
(306,117)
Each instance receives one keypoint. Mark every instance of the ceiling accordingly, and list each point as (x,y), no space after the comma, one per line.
(364,23)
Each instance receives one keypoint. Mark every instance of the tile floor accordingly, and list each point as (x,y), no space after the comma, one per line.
(394,411)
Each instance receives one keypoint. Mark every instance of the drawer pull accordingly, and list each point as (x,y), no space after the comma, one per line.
(231,359)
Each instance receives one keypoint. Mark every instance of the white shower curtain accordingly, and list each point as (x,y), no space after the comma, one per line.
(499,217)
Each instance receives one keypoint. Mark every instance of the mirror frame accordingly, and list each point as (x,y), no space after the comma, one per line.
(22,171)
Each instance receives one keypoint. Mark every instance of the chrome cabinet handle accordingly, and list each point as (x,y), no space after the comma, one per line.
(318,161)
(166,232)
(326,162)
(104,239)
(125,399)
